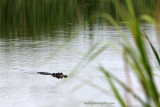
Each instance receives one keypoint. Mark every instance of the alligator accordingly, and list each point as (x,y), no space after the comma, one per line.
(57,75)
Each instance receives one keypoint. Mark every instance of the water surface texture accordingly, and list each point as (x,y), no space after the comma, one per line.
(52,36)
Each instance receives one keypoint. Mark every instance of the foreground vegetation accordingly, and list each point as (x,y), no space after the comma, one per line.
(136,56)
(29,16)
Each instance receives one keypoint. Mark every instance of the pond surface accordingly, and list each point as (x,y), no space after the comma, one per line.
(29,49)
(20,85)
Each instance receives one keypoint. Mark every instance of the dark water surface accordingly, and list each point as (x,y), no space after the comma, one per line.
(34,37)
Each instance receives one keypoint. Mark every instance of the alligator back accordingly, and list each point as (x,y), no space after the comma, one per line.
(57,75)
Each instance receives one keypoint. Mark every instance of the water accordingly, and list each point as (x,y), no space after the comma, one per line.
(20,85)
(38,44)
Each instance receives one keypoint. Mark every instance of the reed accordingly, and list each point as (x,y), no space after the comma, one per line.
(136,57)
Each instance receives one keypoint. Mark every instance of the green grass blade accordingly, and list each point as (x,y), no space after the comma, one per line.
(123,85)
(154,50)
(90,56)
(119,98)
(148,19)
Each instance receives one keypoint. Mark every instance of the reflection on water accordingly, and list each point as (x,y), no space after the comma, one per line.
(31,41)
(22,58)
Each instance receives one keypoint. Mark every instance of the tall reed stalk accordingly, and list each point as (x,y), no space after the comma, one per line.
(136,58)
(136,55)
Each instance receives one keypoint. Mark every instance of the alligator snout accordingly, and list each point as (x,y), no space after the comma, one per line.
(57,75)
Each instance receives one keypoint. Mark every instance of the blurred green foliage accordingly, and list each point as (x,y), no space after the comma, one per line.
(29,17)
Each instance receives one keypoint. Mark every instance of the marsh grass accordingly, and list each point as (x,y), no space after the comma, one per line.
(136,56)
(28,14)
